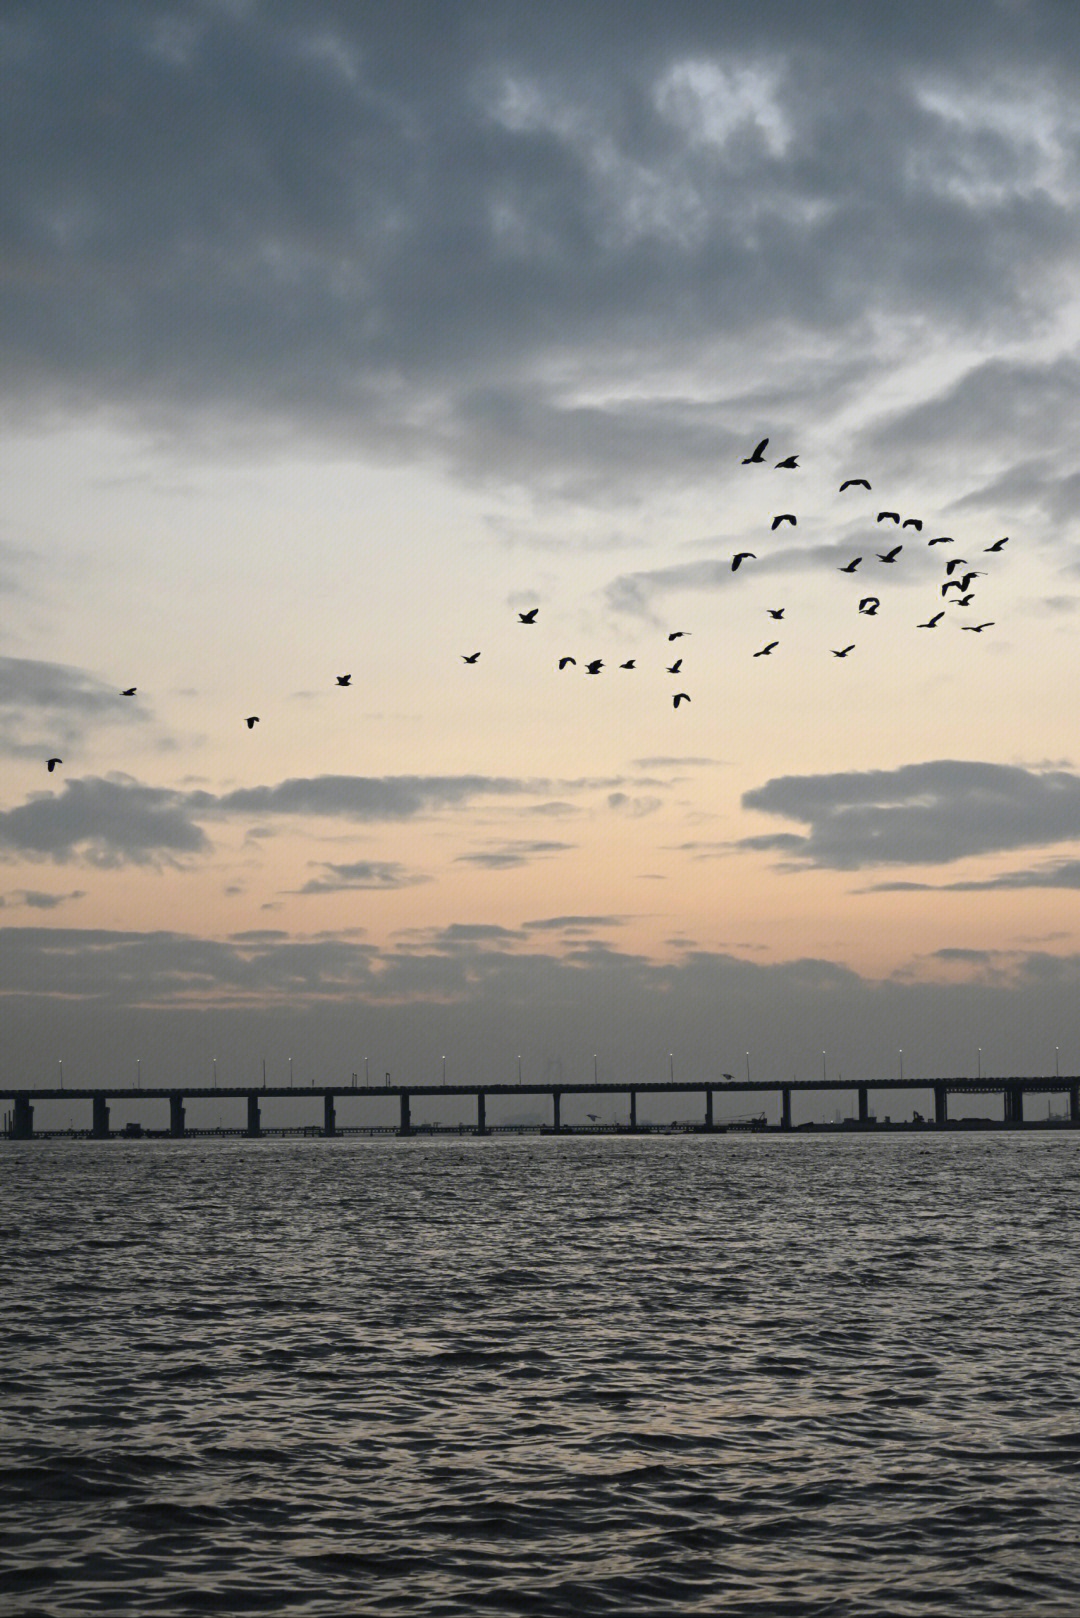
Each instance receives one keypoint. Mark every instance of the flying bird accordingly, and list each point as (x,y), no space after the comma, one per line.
(790,462)
(913,522)
(775,612)
(963,601)
(251,721)
(130,692)
(564,660)
(851,566)
(680,696)
(965,582)
(846,650)
(891,516)
(677,634)
(595,666)
(977,629)
(785,516)
(344,679)
(52,763)
(676,666)
(953,563)
(741,556)
(627,665)
(942,539)
(530,616)
(932,622)
(869,605)
(753,460)
(854,483)
(998,543)
(890,556)
(765,650)
(471,658)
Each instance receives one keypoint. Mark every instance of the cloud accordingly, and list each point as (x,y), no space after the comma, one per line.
(1055,874)
(34,899)
(362,874)
(623,804)
(356,797)
(433,237)
(106,822)
(573,924)
(919,814)
(45,705)
(512,854)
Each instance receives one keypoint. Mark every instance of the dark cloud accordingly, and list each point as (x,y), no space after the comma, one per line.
(512,854)
(34,899)
(573,924)
(395,227)
(1055,874)
(357,797)
(107,822)
(920,814)
(43,705)
(362,874)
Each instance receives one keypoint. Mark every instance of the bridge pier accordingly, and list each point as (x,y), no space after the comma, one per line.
(1014,1104)
(864,1104)
(481,1113)
(99,1129)
(708,1110)
(22,1122)
(176,1117)
(556,1109)
(1074,1104)
(785,1108)
(329,1126)
(633,1111)
(254,1117)
(941,1104)
(405,1125)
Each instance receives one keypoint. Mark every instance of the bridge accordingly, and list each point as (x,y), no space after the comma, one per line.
(19,1122)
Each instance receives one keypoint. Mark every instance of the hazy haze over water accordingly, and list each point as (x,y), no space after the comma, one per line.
(817,1375)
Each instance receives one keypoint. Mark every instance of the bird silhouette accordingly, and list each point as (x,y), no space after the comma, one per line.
(785,516)
(344,679)
(963,601)
(846,650)
(998,543)
(563,661)
(765,650)
(130,692)
(790,462)
(851,566)
(890,516)
(942,539)
(677,634)
(869,605)
(251,721)
(676,666)
(739,557)
(530,616)
(757,457)
(471,657)
(52,763)
(932,622)
(953,563)
(595,666)
(775,612)
(890,556)
(627,665)
(913,522)
(680,696)
(965,582)
(854,483)
(977,629)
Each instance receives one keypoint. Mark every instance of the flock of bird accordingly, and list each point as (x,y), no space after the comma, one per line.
(868,604)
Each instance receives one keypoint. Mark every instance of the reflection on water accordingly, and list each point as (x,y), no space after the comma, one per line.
(667,1376)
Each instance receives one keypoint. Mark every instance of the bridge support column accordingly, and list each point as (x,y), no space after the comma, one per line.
(176,1117)
(864,1104)
(556,1108)
(254,1123)
(633,1110)
(329,1124)
(1014,1105)
(481,1113)
(708,1110)
(785,1108)
(941,1104)
(1074,1104)
(405,1126)
(99,1129)
(22,1123)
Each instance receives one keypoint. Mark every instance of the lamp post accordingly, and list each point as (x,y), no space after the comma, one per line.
(980,1061)
(138,1073)
(901,1067)
(748,1067)
(594,1067)
(823,1073)
(290,1072)
(444,1070)
(61,1061)
(671,1066)
(519,1068)
(367,1081)
(1057,1063)
(214,1060)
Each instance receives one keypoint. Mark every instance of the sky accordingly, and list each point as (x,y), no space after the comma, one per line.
(336,338)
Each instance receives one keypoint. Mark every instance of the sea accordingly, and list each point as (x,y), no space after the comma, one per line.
(757,1376)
